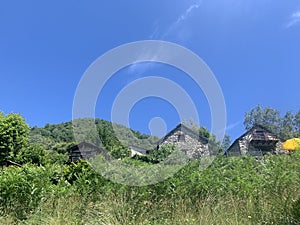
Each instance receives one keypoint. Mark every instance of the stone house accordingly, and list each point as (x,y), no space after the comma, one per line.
(83,150)
(187,141)
(257,141)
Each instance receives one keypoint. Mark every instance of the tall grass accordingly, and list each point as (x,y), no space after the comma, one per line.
(230,191)
(118,210)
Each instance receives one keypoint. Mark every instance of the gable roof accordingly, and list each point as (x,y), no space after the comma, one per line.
(185,130)
(87,150)
(81,145)
(256,127)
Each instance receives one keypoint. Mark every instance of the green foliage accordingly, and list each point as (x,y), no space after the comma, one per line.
(231,189)
(226,142)
(75,170)
(58,153)
(285,127)
(54,157)
(204,133)
(62,147)
(234,190)
(214,145)
(22,189)
(193,125)
(297,124)
(163,152)
(37,138)
(119,152)
(296,211)
(34,154)
(112,137)
(267,117)
(144,158)
(14,135)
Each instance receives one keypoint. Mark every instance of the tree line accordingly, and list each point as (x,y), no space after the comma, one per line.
(22,144)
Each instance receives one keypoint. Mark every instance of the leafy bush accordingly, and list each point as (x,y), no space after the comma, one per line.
(22,189)
(34,154)
(243,189)
(296,211)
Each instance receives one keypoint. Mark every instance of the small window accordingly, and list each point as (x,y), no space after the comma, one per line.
(181,137)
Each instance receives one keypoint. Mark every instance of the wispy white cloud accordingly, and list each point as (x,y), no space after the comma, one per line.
(187,12)
(156,34)
(294,20)
(233,125)
(174,25)
(227,128)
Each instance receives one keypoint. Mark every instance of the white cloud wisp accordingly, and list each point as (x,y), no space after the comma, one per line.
(182,18)
(294,20)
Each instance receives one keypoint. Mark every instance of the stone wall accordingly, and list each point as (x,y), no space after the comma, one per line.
(257,141)
(244,143)
(192,147)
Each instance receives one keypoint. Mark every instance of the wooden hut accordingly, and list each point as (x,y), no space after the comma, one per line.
(84,150)
(257,141)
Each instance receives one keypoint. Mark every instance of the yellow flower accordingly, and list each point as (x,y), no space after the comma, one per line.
(249,217)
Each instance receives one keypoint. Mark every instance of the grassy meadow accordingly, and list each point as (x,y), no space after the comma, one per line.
(241,190)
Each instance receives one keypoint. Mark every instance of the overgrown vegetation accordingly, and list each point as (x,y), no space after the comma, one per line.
(234,190)
(231,191)
(286,126)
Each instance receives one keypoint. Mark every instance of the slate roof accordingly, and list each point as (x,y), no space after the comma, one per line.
(85,150)
(185,130)
(257,127)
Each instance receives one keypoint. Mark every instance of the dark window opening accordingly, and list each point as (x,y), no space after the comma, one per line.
(259,135)
(181,137)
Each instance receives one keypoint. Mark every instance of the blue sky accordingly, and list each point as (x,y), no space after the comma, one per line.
(252,46)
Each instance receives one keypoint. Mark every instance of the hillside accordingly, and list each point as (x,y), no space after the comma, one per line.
(53,134)
(46,190)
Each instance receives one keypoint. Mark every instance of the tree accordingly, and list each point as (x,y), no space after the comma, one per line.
(287,126)
(191,124)
(204,134)
(267,117)
(14,135)
(297,124)
(214,145)
(119,152)
(163,152)
(226,142)
(34,154)
(201,130)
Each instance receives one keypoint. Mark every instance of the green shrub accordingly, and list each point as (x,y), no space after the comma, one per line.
(296,212)
(235,190)
(22,189)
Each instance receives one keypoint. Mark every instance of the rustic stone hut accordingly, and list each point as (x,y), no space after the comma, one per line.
(257,141)
(83,150)
(187,141)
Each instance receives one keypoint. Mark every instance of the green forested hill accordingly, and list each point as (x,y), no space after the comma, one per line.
(52,134)
(43,189)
